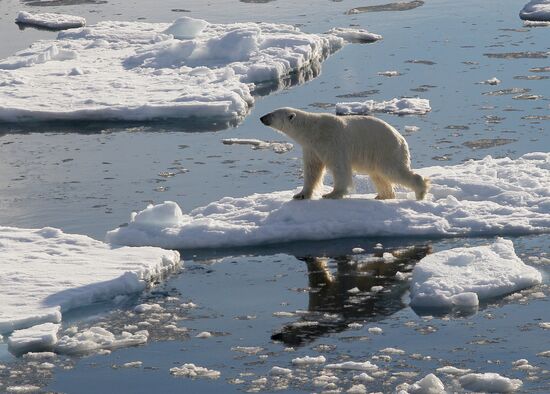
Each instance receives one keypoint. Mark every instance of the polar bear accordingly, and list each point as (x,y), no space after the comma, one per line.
(346,143)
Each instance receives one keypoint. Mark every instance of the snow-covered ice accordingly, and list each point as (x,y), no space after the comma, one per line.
(479,197)
(97,338)
(306,360)
(142,71)
(354,35)
(536,10)
(404,106)
(489,382)
(429,384)
(277,147)
(38,338)
(50,20)
(45,272)
(462,276)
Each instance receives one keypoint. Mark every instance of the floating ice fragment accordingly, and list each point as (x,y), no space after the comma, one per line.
(190,370)
(404,106)
(491,81)
(309,360)
(357,389)
(460,276)
(353,365)
(389,73)
(97,338)
(144,308)
(203,335)
(358,250)
(34,339)
(354,35)
(279,371)
(430,384)
(450,370)
(50,20)
(277,147)
(489,382)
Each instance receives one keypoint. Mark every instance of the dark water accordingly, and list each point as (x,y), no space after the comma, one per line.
(88,178)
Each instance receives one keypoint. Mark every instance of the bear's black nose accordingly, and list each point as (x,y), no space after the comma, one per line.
(265,119)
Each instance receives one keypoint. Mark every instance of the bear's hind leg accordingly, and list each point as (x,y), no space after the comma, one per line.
(383,187)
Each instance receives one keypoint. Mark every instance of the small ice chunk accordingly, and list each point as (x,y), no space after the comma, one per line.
(363,377)
(450,370)
(489,382)
(186,28)
(411,129)
(392,350)
(247,349)
(188,305)
(430,384)
(353,365)
(39,355)
(132,364)
(23,388)
(392,73)
(404,106)
(355,326)
(354,290)
(190,370)
(545,325)
(357,389)
(358,250)
(354,35)
(98,338)
(50,20)
(277,147)
(306,360)
(375,330)
(279,371)
(144,308)
(491,81)
(168,214)
(34,339)
(203,334)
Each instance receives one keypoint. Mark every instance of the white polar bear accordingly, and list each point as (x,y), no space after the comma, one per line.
(346,143)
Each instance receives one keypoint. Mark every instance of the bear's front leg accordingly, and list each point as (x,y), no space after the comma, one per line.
(313,174)
(342,174)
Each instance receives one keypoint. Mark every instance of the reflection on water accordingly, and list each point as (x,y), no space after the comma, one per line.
(363,287)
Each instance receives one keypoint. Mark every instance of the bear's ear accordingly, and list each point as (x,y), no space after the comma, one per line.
(291,116)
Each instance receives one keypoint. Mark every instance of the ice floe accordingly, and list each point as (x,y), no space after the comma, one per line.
(97,338)
(489,382)
(354,35)
(366,366)
(41,337)
(45,272)
(277,147)
(461,277)
(479,197)
(143,71)
(404,106)
(50,20)
(536,10)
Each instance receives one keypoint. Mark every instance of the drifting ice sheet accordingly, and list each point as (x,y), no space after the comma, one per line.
(462,276)
(50,20)
(143,71)
(489,196)
(45,272)
(404,106)
(536,10)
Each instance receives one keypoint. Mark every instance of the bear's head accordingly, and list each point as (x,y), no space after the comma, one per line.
(282,119)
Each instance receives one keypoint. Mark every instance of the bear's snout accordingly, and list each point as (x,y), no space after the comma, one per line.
(266,119)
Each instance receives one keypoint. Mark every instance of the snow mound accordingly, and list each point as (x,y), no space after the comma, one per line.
(41,337)
(462,276)
(404,106)
(139,71)
(354,35)
(45,272)
(536,10)
(483,197)
(489,382)
(50,20)
(98,338)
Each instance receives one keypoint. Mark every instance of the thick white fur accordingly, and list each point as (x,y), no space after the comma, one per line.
(344,144)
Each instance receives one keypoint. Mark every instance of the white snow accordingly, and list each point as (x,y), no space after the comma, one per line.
(142,71)
(45,272)
(95,339)
(404,106)
(277,147)
(41,337)
(463,276)
(483,197)
(354,35)
(190,370)
(366,366)
(50,20)
(489,382)
(536,10)
(306,360)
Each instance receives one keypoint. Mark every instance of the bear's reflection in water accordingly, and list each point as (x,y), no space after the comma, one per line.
(361,289)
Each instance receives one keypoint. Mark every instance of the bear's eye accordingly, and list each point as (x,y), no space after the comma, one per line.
(291,116)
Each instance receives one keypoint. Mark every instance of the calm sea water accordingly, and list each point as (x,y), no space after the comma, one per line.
(88,179)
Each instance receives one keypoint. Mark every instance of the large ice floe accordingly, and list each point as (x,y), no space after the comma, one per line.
(479,197)
(461,277)
(44,272)
(145,71)
(403,106)
(50,20)
(536,10)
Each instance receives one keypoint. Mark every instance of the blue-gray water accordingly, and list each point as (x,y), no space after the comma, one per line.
(88,179)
